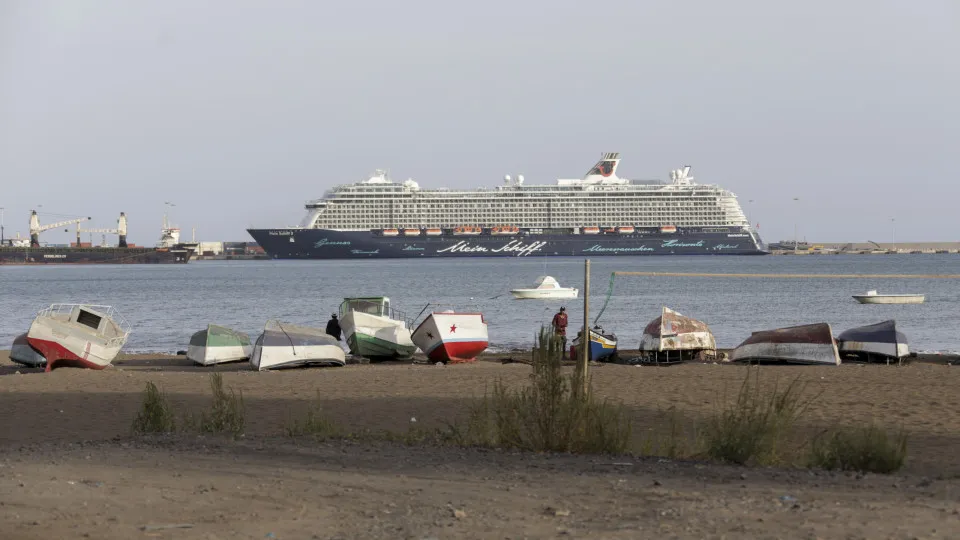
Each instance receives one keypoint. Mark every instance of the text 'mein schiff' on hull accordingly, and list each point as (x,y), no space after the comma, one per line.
(599,214)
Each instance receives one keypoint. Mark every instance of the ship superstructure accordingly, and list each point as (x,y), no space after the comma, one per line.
(596,206)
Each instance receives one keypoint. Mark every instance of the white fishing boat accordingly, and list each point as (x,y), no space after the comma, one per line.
(22,353)
(283,345)
(373,330)
(872,297)
(451,337)
(78,335)
(218,344)
(545,287)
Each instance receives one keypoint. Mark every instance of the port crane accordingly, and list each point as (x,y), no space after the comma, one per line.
(120,231)
(36,228)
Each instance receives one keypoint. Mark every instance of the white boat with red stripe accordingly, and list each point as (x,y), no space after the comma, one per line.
(78,335)
(451,337)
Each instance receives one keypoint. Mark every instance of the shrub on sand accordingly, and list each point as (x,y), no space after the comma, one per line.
(155,415)
(315,423)
(549,414)
(754,426)
(227,413)
(865,449)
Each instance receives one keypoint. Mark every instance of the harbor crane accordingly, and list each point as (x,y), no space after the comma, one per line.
(36,228)
(120,231)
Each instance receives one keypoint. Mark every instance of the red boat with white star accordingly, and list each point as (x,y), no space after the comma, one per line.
(451,337)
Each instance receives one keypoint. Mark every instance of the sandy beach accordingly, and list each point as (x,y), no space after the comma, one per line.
(69,454)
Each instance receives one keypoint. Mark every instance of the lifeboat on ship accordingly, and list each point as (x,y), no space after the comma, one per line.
(668,229)
(434,232)
(504,230)
(610,230)
(411,232)
(468,231)
(625,230)
(390,232)
(591,230)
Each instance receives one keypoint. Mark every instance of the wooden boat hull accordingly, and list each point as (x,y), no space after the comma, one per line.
(218,344)
(671,331)
(22,353)
(284,345)
(602,346)
(807,344)
(451,337)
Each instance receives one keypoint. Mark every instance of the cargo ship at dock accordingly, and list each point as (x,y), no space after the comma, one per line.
(27,252)
(599,214)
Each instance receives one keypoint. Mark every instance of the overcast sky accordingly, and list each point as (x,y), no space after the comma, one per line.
(238,111)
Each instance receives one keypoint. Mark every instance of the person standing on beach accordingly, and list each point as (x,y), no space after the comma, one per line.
(333,327)
(560,329)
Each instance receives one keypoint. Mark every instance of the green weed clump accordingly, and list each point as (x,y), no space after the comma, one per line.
(755,426)
(227,413)
(551,414)
(156,414)
(315,423)
(864,449)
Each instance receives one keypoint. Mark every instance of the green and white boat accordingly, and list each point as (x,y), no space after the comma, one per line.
(219,344)
(374,330)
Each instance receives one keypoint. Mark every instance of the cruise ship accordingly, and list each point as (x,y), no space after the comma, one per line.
(598,214)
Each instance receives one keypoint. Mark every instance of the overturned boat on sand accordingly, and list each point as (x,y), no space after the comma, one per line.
(672,336)
(218,344)
(284,345)
(806,344)
(22,353)
(78,335)
(881,341)
(451,337)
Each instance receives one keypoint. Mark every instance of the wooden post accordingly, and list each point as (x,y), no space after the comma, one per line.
(585,336)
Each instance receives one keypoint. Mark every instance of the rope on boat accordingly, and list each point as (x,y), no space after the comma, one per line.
(792,276)
(613,275)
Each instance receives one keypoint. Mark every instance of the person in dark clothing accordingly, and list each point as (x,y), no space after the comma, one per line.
(333,327)
(560,328)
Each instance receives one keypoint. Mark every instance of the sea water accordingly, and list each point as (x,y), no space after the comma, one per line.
(165,304)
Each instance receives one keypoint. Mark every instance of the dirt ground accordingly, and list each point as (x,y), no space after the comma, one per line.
(69,467)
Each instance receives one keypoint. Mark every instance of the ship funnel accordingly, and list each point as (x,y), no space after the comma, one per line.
(122,230)
(34,229)
(604,169)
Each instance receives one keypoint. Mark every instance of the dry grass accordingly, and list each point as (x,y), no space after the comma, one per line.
(754,427)
(549,414)
(865,449)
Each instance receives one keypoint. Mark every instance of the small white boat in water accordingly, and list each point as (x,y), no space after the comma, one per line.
(283,345)
(872,297)
(78,335)
(218,344)
(545,287)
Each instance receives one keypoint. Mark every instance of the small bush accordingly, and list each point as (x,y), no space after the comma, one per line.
(315,423)
(754,426)
(865,449)
(549,414)
(227,413)
(156,415)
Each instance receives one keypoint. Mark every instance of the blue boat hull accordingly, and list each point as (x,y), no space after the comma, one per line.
(331,244)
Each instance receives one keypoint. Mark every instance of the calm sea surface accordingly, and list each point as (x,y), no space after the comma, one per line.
(165,304)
